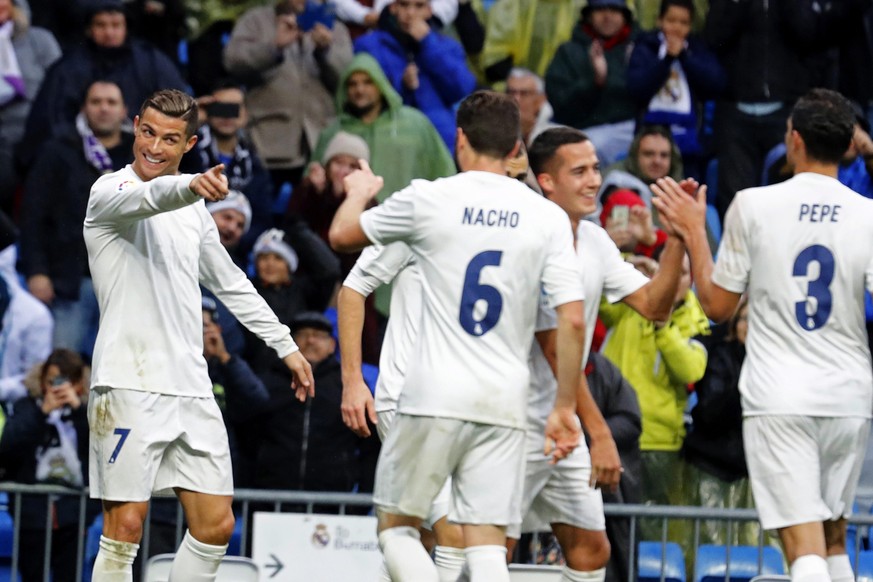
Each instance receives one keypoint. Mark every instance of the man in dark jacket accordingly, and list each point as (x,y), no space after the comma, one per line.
(53,255)
(307,446)
(137,67)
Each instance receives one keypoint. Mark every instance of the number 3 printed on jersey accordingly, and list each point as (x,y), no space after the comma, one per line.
(814,312)
(477,297)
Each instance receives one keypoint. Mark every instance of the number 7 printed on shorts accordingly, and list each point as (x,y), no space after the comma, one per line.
(122,433)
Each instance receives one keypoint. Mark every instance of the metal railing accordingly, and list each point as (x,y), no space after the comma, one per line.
(308,501)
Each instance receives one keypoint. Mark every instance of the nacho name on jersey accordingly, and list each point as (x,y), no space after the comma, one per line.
(490,217)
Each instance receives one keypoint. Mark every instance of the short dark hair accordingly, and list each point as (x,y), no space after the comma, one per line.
(655,129)
(665,4)
(826,122)
(542,151)
(174,103)
(68,362)
(490,120)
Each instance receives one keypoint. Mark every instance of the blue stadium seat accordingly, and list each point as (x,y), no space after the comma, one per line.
(6,572)
(233,547)
(713,222)
(711,562)
(711,181)
(6,532)
(652,555)
(864,568)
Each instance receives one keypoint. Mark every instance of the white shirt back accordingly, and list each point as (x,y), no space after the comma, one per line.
(804,251)
(380,265)
(604,272)
(485,245)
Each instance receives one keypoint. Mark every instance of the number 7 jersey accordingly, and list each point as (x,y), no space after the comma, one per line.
(486,245)
(804,251)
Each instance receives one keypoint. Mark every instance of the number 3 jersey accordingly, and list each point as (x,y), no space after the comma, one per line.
(804,251)
(485,245)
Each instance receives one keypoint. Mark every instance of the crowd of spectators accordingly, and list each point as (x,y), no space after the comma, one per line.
(293,93)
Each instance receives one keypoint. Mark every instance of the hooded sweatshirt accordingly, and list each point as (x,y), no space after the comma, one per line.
(403,143)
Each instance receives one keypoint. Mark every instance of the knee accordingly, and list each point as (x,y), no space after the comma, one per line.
(124,527)
(590,554)
(217,532)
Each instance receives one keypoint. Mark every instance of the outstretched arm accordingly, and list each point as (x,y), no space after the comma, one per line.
(687,215)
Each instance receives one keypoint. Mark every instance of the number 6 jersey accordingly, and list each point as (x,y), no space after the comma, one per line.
(486,245)
(804,251)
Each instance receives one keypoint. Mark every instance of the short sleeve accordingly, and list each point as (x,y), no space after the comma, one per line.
(561,278)
(620,278)
(393,220)
(547,318)
(378,265)
(734,261)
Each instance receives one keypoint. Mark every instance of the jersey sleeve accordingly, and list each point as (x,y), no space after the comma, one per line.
(561,279)
(117,199)
(734,260)
(393,220)
(547,318)
(219,274)
(620,278)
(378,265)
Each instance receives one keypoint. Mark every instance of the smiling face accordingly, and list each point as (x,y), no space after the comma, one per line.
(573,179)
(159,143)
(231,225)
(272,269)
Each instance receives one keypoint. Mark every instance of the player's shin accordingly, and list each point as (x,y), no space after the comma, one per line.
(196,561)
(487,564)
(114,561)
(405,556)
(449,562)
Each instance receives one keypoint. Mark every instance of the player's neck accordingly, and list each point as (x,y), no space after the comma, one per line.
(816,167)
(481,163)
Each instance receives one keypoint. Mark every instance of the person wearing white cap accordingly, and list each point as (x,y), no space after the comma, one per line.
(233,218)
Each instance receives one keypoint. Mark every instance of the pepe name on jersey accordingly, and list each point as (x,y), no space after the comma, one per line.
(498,218)
(819,213)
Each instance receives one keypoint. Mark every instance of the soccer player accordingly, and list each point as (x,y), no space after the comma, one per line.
(154,423)
(485,246)
(567,169)
(803,250)
(382,265)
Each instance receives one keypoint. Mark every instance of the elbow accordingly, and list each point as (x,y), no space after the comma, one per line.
(339,240)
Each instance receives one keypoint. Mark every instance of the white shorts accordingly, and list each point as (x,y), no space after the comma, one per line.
(558,493)
(440,506)
(144,443)
(486,464)
(803,469)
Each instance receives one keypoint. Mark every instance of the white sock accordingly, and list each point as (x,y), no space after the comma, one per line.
(196,561)
(384,576)
(405,557)
(114,561)
(487,563)
(840,568)
(809,568)
(570,575)
(449,562)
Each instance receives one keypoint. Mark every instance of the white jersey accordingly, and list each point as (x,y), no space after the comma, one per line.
(604,272)
(804,251)
(485,244)
(377,266)
(150,245)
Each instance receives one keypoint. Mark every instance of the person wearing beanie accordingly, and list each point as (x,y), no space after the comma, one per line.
(233,218)
(586,81)
(275,260)
(321,193)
